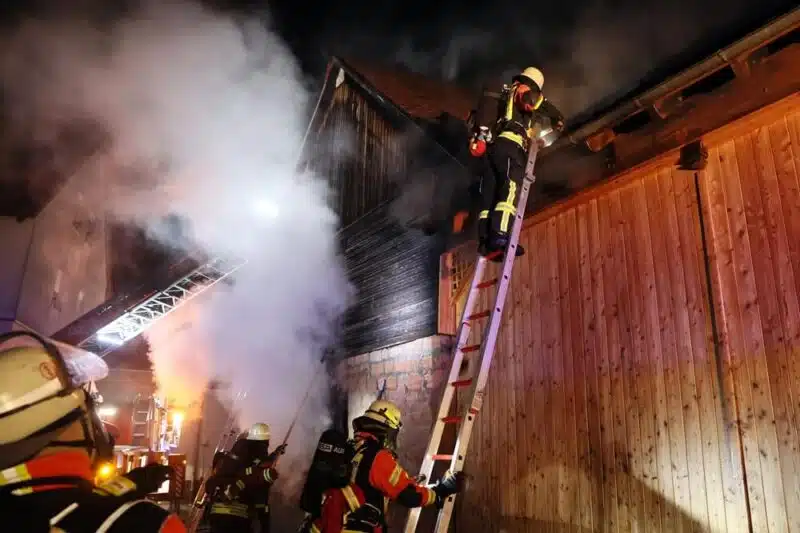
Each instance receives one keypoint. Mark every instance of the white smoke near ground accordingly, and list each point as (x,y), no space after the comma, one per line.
(205,115)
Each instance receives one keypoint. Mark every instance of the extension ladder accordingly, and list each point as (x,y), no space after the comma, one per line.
(486,347)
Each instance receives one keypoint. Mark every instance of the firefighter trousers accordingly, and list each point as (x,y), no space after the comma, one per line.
(500,182)
(229,524)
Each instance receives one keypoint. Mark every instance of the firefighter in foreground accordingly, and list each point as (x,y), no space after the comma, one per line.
(241,483)
(376,478)
(503,129)
(50,440)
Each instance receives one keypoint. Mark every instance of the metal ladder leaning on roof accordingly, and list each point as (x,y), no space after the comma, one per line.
(486,347)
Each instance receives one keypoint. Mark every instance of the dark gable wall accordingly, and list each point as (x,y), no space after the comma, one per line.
(393,267)
(396,273)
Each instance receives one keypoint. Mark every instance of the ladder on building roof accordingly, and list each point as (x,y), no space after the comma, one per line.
(142,316)
(485,349)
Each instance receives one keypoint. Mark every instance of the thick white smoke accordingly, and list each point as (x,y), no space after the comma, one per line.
(210,113)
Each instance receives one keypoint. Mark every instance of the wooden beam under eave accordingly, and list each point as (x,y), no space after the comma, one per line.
(600,140)
(777,77)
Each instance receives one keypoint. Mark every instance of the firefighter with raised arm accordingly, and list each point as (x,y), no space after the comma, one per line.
(376,478)
(504,125)
(51,439)
(241,483)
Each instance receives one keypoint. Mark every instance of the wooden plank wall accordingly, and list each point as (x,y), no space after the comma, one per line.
(751,204)
(610,407)
(394,271)
(601,407)
(363,154)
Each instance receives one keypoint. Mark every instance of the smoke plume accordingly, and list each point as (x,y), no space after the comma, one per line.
(204,116)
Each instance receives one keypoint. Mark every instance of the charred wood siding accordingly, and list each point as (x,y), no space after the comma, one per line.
(361,153)
(628,393)
(379,163)
(395,272)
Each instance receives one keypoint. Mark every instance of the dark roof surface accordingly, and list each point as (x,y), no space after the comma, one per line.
(425,98)
(417,95)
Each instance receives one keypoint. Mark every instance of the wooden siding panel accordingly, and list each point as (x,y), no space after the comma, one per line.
(394,271)
(751,202)
(606,374)
(639,253)
(591,357)
(361,153)
(730,336)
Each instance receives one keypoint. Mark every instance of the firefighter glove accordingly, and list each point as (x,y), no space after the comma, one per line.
(447,486)
(149,478)
(280,450)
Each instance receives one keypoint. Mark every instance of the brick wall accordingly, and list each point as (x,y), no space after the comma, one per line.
(415,375)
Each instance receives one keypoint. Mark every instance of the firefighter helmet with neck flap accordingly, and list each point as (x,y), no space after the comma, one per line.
(44,392)
(382,419)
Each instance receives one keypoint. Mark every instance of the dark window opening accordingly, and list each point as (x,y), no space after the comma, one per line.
(633,123)
(710,83)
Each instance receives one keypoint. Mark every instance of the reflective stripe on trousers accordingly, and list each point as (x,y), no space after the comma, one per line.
(230,509)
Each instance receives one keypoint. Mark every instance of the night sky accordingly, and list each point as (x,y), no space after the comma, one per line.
(592,49)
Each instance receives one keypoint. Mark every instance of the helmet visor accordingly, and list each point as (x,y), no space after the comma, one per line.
(62,370)
(83,367)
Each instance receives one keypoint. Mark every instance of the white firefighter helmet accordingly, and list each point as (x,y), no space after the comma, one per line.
(535,75)
(40,385)
(385,412)
(258,431)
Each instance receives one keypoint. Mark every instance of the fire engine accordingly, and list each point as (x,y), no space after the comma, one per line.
(145,431)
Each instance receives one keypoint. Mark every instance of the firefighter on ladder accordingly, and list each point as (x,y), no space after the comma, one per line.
(502,133)
(50,440)
(376,478)
(241,483)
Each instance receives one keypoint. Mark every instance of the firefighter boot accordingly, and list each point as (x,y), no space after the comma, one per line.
(499,241)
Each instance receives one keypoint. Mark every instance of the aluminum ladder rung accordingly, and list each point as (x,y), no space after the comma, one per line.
(487,284)
(477,316)
(486,352)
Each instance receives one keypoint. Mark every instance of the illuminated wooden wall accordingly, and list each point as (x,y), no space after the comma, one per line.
(645,378)
(751,201)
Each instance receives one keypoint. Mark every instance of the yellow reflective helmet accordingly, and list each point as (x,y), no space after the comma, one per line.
(41,391)
(259,432)
(384,412)
(535,75)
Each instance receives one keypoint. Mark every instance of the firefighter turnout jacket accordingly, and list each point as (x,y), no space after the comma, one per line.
(516,121)
(59,488)
(241,492)
(376,479)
